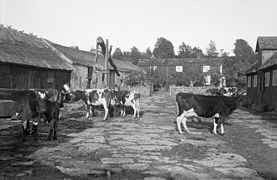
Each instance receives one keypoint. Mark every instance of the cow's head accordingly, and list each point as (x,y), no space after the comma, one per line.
(67,94)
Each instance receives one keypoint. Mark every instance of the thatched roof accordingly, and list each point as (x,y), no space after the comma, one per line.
(266,43)
(20,48)
(177,61)
(80,57)
(126,66)
(86,58)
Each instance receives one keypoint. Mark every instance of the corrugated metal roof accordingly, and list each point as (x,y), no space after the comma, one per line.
(21,48)
(266,42)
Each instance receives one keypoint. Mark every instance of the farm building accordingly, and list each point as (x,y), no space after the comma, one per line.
(180,71)
(83,74)
(262,75)
(27,62)
(83,62)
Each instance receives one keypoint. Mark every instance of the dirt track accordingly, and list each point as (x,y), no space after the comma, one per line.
(145,148)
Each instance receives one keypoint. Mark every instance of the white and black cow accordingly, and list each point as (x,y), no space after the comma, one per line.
(218,107)
(94,97)
(127,98)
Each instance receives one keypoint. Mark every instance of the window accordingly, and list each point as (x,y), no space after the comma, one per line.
(248,81)
(208,80)
(206,68)
(255,82)
(267,79)
(274,78)
(179,68)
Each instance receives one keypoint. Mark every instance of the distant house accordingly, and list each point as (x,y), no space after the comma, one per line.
(27,62)
(262,75)
(169,68)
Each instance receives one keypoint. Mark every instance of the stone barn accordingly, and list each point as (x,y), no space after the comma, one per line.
(262,75)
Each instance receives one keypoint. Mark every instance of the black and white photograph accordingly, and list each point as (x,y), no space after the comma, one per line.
(138,90)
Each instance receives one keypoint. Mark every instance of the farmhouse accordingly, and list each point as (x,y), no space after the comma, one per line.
(262,75)
(27,62)
(184,71)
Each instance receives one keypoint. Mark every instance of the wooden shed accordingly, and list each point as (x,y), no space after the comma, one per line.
(27,62)
(83,62)
(262,75)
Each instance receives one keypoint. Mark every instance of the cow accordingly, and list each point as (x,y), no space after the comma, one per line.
(32,105)
(28,106)
(127,98)
(94,97)
(216,107)
(54,101)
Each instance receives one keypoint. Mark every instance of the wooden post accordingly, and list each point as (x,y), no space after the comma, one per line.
(106,64)
(94,66)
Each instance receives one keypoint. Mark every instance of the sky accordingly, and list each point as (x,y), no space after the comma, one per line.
(139,23)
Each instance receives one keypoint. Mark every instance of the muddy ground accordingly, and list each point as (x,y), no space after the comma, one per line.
(146,148)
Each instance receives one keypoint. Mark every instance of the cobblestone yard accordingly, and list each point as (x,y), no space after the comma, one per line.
(151,148)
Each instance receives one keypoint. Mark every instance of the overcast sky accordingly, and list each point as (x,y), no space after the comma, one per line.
(128,23)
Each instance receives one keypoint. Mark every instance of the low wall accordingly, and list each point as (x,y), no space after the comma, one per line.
(143,90)
(173,90)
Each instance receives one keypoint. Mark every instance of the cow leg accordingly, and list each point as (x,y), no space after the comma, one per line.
(106,111)
(138,109)
(184,122)
(222,129)
(25,127)
(179,121)
(214,126)
(55,130)
(135,110)
(50,135)
(88,111)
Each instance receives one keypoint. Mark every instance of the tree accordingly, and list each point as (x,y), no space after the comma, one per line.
(135,55)
(117,54)
(163,48)
(233,67)
(148,53)
(186,51)
(243,51)
(211,50)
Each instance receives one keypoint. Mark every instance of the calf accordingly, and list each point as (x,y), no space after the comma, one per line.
(218,107)
(54,101)
(127,98)
(94,97)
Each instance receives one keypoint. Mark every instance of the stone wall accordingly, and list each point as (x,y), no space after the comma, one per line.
(173,90)
(143,90)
